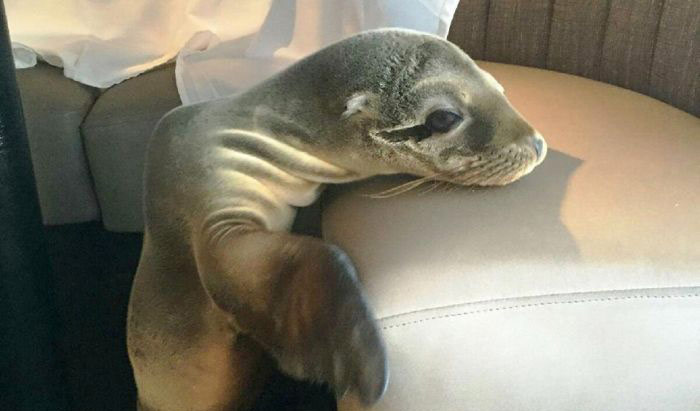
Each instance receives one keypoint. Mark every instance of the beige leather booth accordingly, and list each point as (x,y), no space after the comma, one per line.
(576,288)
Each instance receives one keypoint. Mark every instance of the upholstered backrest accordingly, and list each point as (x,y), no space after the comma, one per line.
(650,46)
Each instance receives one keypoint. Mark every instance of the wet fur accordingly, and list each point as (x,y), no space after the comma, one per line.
(222,287)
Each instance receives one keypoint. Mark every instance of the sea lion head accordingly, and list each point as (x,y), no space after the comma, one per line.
(424,107)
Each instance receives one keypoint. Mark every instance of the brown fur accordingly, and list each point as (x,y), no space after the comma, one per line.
(222,288)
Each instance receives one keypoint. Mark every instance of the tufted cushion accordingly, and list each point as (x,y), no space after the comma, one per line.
(650,46)
(576,288)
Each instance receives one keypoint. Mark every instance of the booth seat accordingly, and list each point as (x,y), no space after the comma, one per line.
(575,288)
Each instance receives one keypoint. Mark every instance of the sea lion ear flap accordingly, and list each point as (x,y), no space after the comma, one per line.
(356,104)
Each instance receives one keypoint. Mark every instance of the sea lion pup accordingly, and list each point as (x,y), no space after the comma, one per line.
(220,279)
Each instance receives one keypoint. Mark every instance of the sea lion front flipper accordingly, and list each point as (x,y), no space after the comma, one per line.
(300,299)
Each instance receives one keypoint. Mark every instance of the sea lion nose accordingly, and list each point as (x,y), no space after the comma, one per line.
(540,147)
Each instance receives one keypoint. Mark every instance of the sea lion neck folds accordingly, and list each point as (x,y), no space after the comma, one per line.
(259,171)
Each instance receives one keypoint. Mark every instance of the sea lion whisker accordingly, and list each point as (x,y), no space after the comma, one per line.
(497,168)
(435,185)
(402,188)
(413,184)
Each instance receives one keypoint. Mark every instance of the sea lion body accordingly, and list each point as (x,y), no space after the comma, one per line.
(222,287)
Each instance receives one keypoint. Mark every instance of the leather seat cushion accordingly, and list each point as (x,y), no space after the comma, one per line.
(116,133)
(54,107)
(575,288)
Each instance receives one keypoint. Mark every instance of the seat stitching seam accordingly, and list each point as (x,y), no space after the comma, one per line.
(552,295)
(533,305)
(550,13)
(601,49)
(657,31)
(486,29)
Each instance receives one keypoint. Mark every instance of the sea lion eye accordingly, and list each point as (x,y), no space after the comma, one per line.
(441,121)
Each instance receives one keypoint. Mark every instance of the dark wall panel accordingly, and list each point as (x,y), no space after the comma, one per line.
(518,31)
(468,28)
(628,46)
(576,38)
(675,70)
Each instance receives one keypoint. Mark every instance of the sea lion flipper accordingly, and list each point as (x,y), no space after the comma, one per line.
(300,299)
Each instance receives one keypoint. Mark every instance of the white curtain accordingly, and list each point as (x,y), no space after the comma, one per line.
(102,42)
(222,46)
(208,69)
